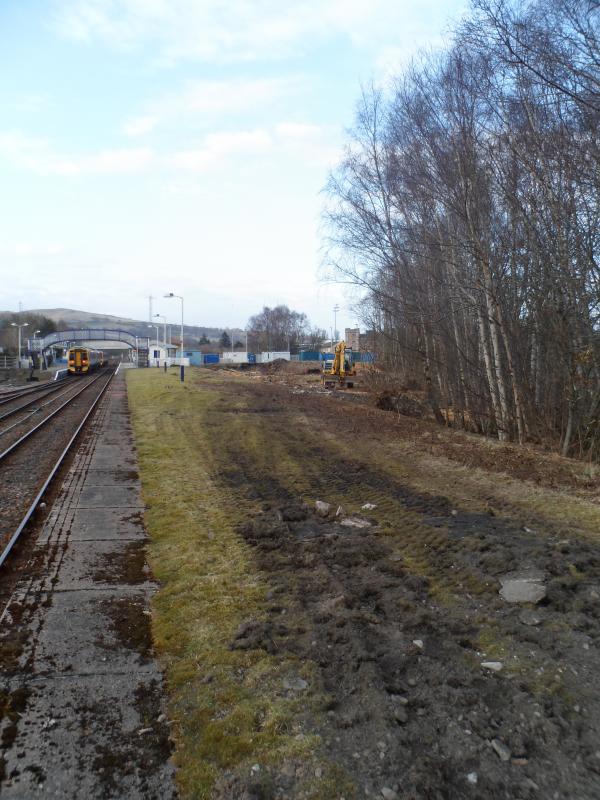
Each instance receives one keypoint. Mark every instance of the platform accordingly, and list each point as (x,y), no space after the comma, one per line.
(84,711)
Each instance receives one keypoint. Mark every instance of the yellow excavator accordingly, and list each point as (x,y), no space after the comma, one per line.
(340,371)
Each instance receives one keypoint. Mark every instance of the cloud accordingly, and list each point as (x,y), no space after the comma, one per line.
(29,250)
(209,99)
(36,155)
(138,126)
(239,30)
(313,144)
(218,147)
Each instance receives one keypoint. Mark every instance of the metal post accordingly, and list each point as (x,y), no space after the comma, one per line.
(181,298)
(336,308)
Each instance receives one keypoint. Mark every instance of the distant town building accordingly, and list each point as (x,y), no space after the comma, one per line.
(352,338)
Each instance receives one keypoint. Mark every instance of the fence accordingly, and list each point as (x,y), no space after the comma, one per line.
(8,362)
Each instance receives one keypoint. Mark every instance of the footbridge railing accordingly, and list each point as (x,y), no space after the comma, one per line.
(85,335)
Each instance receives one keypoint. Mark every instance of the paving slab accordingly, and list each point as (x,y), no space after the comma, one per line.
(104,563)
(88,710)
(104,523)
(76,658)
(115,496)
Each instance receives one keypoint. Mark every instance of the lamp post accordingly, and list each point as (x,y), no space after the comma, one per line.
(164,319)
(22,325)
(156,329)
(336,308)
(179,297)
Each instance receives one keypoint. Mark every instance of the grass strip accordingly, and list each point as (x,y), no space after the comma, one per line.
(228,708)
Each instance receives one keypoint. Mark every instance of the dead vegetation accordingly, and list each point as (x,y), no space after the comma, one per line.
(309,659)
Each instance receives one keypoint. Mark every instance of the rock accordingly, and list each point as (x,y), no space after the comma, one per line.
(322,508)
(493,666)
(318,772)
(530,617)
(355,522)
(255,768)
(295,684)
(523,587)
(143,731)
(418,643)
(501,750)
(368,506)
(400,715)
(340,511)
(389,794)
(472,778)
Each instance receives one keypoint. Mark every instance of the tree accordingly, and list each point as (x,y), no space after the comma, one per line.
(277,328)
(225,341)
(203,339)
(466,210)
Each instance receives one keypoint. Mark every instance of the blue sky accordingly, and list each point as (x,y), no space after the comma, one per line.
(149,146)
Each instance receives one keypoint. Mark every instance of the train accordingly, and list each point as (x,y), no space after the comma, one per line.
(81,360)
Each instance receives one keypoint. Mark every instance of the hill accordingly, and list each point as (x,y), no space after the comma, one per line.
(74,318)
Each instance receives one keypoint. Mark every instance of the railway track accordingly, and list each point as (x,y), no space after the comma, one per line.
(36,450)
(27,391)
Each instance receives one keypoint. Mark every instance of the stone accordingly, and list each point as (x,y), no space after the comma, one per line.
(322,508)
(501,750)
(525,586)
(355,522)
(256,768)
(389,794)
(472,778)
(418,643)
(295,684)
(340,511)
(401,716)
(493,666)
(368,506)
(530,616)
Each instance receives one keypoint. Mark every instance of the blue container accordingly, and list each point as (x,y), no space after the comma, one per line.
(195,357)
(211,358)
(251,358)
(310,355)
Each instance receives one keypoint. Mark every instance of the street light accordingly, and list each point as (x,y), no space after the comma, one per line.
(22,325)
(179,297)
(164,319)
(336,308)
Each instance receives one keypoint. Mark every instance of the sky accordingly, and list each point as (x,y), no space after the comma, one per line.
(155,146)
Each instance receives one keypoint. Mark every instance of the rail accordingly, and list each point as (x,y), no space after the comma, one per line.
(15,394)
(47,419)
(30,510)
(51,390)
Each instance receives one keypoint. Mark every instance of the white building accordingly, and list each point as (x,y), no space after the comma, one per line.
(230,357)
(267,356)
(160,352)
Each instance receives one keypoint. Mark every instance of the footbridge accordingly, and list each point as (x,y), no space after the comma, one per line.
(86,335)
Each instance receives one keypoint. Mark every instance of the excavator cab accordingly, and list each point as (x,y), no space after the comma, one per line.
(339,371)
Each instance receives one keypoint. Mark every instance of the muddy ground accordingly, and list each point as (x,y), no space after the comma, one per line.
(421,680)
